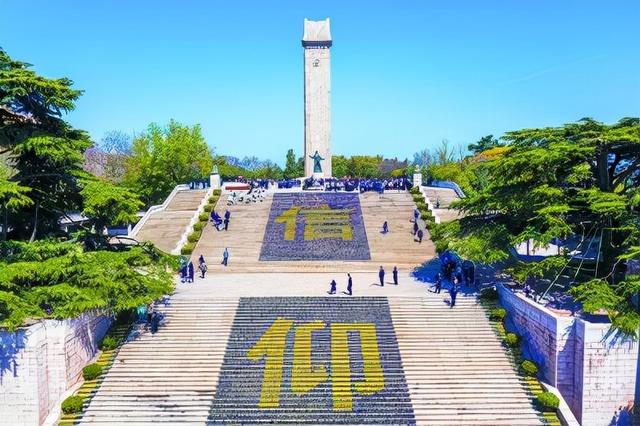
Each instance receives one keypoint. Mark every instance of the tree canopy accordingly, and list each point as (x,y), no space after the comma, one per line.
(164,157)
(579,179)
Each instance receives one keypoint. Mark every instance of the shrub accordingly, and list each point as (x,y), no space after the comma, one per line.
(91,371)
(194,236)
(207,208)
(548,401)
(217,192)
(421,206)
(213,199)
(187,248)
(426,216)
(529,367)
(512,340)
(415,190)
(498,314)
(203,217)
(198,226)
(108,343)
(489,294)
(72,405)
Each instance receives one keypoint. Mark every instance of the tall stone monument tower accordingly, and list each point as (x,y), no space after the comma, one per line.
(316,42)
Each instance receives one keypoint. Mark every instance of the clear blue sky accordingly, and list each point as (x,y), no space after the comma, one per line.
(405,74)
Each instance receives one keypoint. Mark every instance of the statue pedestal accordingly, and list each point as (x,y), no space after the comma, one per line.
(417,179)
(214,181)
(318,175)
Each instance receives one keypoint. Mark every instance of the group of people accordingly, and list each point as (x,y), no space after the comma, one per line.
(254,195)
(220,223)
(354,184)
(186,270)
(333,286)
(418,232)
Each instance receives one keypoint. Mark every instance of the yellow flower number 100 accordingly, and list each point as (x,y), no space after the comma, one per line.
(304,375)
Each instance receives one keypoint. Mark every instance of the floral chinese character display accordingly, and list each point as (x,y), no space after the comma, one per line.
(305,226)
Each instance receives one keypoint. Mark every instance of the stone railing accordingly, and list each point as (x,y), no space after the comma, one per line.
(449,185)
(153,209)
(194,219)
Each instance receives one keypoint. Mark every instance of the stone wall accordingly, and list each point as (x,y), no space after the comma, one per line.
(594,369)
(39,363)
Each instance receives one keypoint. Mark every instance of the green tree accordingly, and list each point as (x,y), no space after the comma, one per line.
(45,152)
(579,179)
(340,166)
(365,166)
(12,198)
(485,143)
(106,204)
(164,157)
(292,167)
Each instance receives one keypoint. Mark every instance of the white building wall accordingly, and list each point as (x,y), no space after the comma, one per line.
(39,363)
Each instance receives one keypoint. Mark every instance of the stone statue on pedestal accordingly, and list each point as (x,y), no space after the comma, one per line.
(316,162)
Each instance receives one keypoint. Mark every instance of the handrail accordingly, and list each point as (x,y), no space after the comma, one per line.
(448,185)
(153,209)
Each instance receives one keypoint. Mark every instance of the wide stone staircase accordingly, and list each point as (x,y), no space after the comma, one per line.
(441,366)
(165,227)
(457,371)
(248,223)
(445,197)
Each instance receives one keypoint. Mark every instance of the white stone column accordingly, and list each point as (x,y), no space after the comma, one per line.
(317,96)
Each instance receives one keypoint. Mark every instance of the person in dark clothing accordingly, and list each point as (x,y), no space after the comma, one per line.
(420,235)
(226,224)
(227,214)
(201,259)
(438,283)
(225,257)
(349,285)
(395,275)
(381,276)
(190,272)
(415,228)
(385,227)
(416,215)
(203,269)
(332,289)
(453,292)
(155,322)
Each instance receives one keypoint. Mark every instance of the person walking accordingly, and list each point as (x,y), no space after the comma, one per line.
(226,224)
(201,259)
(420,235)
(438,283)
(416,215)
(395,275)
(190,272)
(385,227)
(381,276)
(415,228)
(349,285)
(203,269)
(453,292)
(225,256)
(332,289)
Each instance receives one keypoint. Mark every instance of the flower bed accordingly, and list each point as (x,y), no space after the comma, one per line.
(320,226)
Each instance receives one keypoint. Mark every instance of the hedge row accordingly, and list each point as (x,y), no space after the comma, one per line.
(203,218)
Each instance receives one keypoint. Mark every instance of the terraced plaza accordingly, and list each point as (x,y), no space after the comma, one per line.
(231,214)
(249,346)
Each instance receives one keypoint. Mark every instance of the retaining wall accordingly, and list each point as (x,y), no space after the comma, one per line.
(39,363)
(594,369)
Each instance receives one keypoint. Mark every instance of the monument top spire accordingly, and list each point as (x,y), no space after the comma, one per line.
(317,34)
